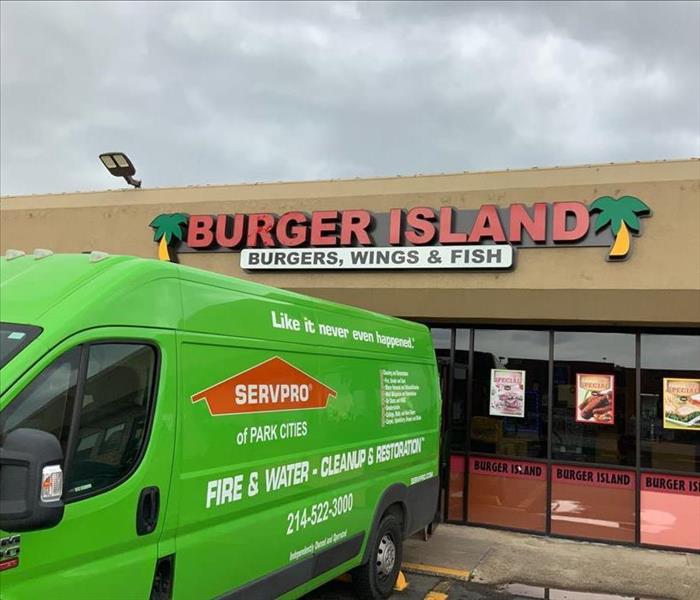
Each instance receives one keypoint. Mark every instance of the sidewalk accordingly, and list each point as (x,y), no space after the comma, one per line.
(499,557)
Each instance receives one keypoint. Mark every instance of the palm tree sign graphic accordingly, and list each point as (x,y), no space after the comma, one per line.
(166,228)
(621,215)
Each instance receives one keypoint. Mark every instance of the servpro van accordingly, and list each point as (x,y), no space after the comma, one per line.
(170,432)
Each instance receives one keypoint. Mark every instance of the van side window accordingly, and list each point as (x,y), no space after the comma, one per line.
(116,400)
(47,402)
(113,416)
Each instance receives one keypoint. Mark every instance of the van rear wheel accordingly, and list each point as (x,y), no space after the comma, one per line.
(375,579)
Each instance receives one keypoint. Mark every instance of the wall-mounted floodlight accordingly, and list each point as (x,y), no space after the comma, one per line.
(119,165)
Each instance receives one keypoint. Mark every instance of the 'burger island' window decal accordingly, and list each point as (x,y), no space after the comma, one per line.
(416,238)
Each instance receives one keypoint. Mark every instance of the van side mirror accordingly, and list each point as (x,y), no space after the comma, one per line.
(31,481)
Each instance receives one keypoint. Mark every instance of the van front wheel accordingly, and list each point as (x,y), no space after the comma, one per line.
(375,579)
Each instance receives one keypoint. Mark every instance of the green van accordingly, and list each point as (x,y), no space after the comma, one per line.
(168,432)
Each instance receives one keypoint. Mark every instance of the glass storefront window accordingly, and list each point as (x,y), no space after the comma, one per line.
(670,426)
(500,467)
(593,408)
(669,430)
(510,354)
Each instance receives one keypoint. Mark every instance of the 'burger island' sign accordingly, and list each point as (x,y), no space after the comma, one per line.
(416,238)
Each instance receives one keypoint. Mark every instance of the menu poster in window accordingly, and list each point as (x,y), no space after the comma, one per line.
(595,398)
(681,403)
(507,397)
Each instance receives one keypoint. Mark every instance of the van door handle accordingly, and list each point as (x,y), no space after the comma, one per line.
(147,511)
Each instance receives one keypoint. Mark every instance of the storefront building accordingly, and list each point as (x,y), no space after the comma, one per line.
(564,305)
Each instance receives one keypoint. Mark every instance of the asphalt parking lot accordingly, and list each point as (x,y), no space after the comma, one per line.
(420,587)
(428,587)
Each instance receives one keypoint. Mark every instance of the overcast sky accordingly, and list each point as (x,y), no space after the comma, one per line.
(209,93)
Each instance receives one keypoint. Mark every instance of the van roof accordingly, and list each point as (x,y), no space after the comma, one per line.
(31,286)
(74,291)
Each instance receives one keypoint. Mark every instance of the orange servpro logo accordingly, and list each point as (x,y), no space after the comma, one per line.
(270,386)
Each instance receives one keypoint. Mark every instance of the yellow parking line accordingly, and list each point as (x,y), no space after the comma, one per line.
(436,570)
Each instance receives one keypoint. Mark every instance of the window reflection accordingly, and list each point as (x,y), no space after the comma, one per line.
(517,350)
(604,354)
(459,398)
(675,447)
(441,338)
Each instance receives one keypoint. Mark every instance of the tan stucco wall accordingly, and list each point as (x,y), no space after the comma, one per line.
(659,284)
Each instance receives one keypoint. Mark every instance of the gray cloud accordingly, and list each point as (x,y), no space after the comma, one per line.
(232,92)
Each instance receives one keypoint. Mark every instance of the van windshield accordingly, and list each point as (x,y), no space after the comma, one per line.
(14,338)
